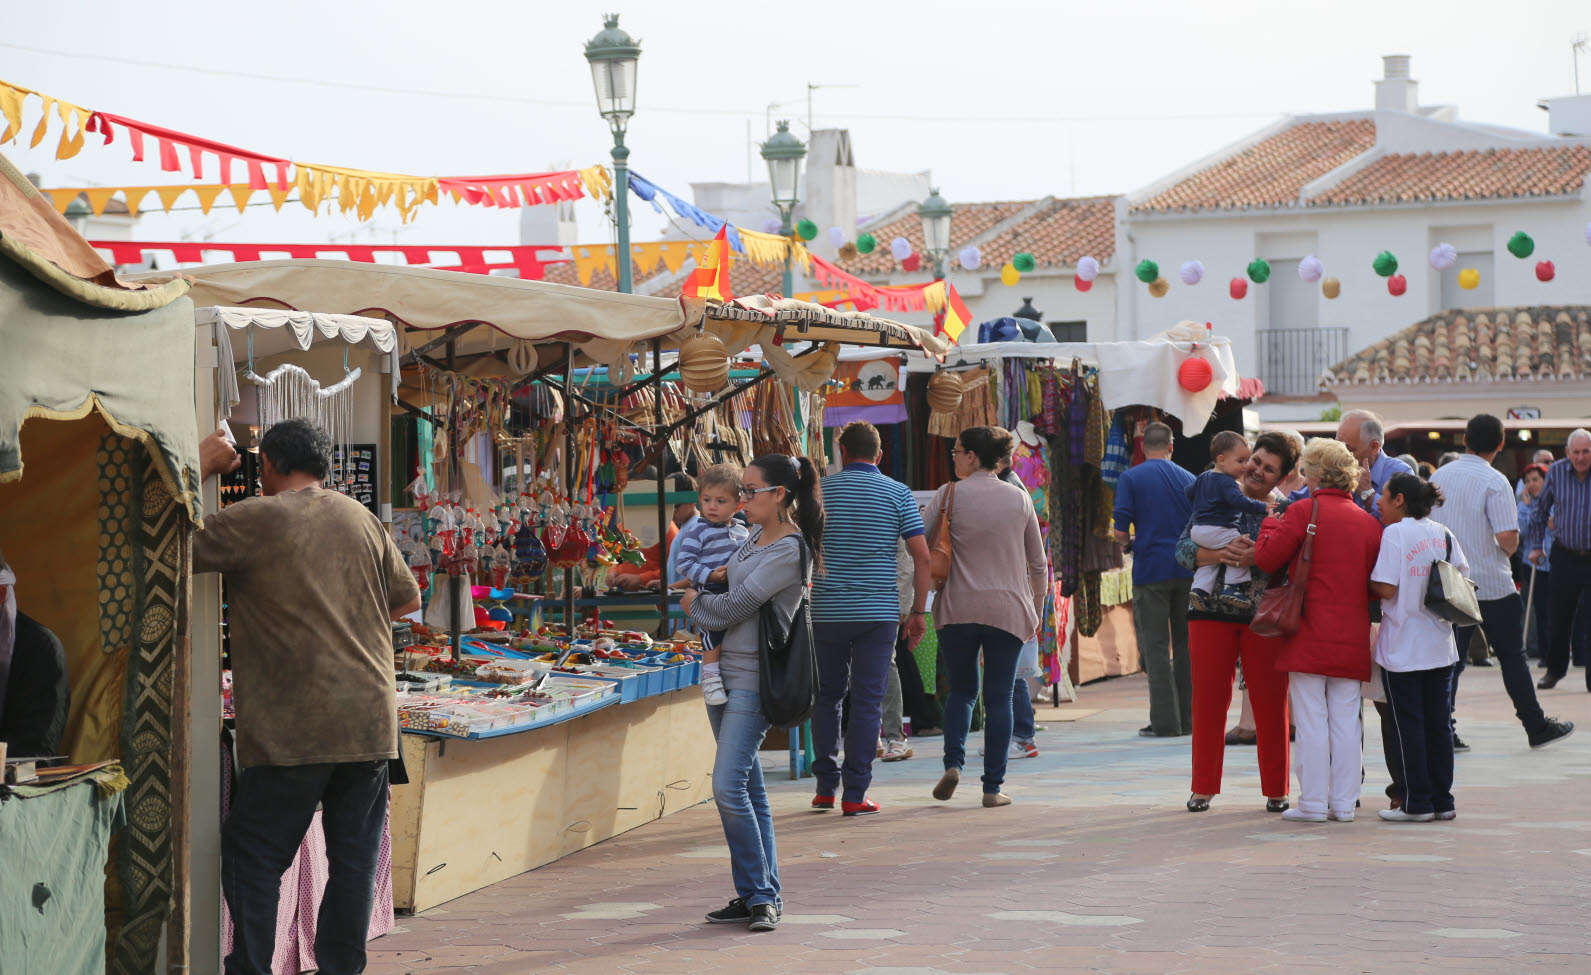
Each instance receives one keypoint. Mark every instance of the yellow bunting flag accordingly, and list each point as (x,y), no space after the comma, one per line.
(588,259)
(957,317)
(711,277)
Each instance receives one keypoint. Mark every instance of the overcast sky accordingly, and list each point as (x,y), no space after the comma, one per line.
(1000,100)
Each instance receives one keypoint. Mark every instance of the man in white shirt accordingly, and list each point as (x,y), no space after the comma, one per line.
(1478,506)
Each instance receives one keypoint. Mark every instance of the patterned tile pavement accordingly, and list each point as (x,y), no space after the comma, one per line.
(1095,868)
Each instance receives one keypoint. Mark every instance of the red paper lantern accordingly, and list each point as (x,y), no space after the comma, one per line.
(1397,284)
(912,262)
(1545,271)
(1238,289)
(1082,285)
(1195,374)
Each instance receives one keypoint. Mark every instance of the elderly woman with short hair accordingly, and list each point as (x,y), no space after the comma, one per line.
(1329,655)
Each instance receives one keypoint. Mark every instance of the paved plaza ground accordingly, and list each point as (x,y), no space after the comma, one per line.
(1095,868)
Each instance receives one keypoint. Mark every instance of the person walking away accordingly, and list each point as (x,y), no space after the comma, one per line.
(1152,505)
(313,582)
(705,547)
(1479,509)
(1218,506)
(856,612)
(1328,658)
(785,510)
(1564,508)
(990,602)
(1415,647)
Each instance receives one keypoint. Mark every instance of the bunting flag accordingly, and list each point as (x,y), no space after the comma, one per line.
(135,197)
(651,193)
(710,279)
(167,142)
(531,262)
(896,298)
(12,98)
(363,191)
(957,317)
(528,189)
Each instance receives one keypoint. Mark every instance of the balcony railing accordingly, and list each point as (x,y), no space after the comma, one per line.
(1292,359)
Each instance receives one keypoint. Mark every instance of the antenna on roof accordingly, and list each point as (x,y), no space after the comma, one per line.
(1581,43)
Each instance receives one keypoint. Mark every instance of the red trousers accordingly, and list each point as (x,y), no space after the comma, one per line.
(1214,650)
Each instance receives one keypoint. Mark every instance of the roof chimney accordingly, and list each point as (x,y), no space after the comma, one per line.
(1396,91)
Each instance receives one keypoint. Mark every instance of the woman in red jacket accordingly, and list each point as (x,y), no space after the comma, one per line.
(1329,656)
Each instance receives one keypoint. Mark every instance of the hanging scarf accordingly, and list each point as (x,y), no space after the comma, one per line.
(8,626)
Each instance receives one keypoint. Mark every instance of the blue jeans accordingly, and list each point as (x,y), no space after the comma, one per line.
(1022,711)
(742,801)
(1418,701)
(959,644)
(854,658)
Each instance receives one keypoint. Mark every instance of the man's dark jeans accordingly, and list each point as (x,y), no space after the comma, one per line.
(270,814)
(1504,622)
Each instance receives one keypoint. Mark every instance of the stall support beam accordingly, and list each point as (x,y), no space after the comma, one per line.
(569,420)
(663,514)
(455,583)
(414,355)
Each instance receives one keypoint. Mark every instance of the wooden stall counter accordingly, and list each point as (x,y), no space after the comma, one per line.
(477,812)
(1111,652)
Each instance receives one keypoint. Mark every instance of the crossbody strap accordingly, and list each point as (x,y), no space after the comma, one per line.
(1307,553)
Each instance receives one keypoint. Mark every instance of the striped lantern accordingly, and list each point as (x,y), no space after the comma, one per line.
(704,363)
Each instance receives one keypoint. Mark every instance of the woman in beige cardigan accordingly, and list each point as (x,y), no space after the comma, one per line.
(989,604)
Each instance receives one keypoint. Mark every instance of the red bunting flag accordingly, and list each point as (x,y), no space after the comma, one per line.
(957,317)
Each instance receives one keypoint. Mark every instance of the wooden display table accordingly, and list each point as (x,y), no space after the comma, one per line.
(477,812)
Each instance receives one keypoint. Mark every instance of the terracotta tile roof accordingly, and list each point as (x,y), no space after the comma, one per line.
(1058,234)
(1270,173)
(1474,175)
(968,221)
(1479,345)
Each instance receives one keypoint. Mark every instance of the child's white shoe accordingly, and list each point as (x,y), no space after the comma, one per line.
(713,688)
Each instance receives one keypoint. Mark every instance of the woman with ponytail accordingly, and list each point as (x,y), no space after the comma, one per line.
(1415,647)
(783,505)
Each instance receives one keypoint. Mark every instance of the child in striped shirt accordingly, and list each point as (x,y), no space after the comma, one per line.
(705,547)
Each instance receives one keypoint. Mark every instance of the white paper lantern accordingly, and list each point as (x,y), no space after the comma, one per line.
(770,225)
(901,248)
(971,258)
(1192,272)
(1443,256)
(836,236)
(1310,269)
(1087,268)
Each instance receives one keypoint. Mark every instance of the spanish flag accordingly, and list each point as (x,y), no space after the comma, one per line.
(711,277)
(957,317)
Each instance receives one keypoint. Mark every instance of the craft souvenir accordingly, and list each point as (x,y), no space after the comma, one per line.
(945,391)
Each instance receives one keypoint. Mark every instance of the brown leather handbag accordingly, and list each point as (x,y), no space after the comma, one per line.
(1281,607)
(939,551)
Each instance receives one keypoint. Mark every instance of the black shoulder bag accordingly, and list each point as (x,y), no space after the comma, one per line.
(787,660)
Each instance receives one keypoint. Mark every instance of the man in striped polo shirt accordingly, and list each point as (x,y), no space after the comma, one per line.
(1564,505)
(856,612)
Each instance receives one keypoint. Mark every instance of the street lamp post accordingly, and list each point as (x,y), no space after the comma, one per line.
(783,153)
(935,214)
(613,55)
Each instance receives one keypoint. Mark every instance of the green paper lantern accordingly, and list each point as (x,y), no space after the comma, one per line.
(1024,262)
(806,230)
(1259,270)
(1147,271)
(866,243)
(1385,264)
(1521,245)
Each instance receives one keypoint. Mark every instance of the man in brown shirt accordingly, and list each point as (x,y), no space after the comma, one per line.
(312,582)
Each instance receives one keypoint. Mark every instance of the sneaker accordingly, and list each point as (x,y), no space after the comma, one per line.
(735,912)
(1553,730)
(866,807)
(1235,597)
(897,751)
(1199,601)
(1340,817)
(713,689)
(1447,817)
(821,801)
(1399,816)
(1299,816)
(1460,745)
(764,917)
(1028,749)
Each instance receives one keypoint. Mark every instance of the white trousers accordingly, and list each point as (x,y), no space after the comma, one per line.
(1329,750)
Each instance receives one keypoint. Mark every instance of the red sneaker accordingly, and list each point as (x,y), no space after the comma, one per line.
(866,807)
(821,801)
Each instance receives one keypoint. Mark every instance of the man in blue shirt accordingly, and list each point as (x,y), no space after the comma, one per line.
(1361,432)
(856,612)
(1152,500)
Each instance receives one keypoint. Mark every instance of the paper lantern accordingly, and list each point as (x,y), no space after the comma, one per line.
(971,258)
(1024,262)
(1331,287)
(1397,284)
(1088,267)
(1009,275)
(1192,272)
(1237,288)
(1520,245)
(836,236)
(848,251)
(1195,375)
(866,244)
(944,394)
(1469,279)
(1310,269)
(806,230)
(703,363)
(1443,256)
(1158,288)
(1385,264)
(1545,270)
(1081,283)
(901,248)
(1147,271)
(1259,270)
(912,262)
(770,225)
(522,358)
